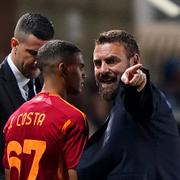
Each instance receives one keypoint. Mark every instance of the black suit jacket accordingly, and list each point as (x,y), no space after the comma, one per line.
(10,98)
(134,146)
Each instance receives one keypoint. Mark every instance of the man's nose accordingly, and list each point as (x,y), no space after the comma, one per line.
(84,76)
(104,67)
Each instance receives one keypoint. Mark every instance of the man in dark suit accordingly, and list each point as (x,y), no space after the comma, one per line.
(19,79)
(140,139)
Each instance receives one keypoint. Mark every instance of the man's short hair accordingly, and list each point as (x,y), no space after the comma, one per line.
(36,24)
(56,50)
(121,37)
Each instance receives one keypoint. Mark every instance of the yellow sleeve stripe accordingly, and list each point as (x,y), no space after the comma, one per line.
(66,124)
(83,114)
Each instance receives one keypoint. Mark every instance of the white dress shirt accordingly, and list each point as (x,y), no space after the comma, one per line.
(20,78)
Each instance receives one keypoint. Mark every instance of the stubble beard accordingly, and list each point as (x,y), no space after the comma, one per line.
(109,92)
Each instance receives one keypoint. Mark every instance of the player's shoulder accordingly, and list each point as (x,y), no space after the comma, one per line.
(70,108)
(59,105)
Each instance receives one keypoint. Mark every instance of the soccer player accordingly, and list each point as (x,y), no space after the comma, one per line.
(44,138)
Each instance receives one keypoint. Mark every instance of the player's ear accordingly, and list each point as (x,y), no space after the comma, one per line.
(62,69)
(135,59)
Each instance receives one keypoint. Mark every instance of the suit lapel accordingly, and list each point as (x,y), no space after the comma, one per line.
(11,86)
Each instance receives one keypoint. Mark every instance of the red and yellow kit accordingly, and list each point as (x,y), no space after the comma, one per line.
(44,138)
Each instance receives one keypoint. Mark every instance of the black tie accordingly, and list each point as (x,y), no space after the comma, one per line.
(31,93)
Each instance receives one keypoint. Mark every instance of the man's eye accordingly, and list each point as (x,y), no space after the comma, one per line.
(81,66)
(110,61)
(97,63)
(32,52)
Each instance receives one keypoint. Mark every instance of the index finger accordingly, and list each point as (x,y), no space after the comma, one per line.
(133,69)
(129,73)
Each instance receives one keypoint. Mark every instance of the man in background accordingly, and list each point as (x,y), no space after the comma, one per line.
(44,138)
(19,73)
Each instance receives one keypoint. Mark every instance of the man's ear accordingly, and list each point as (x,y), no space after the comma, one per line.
(62,69)
(14,42)
(135,59)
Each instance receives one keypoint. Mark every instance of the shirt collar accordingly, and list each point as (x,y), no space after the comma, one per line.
(21,79)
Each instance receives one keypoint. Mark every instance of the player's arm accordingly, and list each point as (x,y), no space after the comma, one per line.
(76,136)
(7,174)
(72,174)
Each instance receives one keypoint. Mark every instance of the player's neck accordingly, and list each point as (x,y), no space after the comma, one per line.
(56,88)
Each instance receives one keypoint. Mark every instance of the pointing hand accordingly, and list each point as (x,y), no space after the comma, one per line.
(134,76)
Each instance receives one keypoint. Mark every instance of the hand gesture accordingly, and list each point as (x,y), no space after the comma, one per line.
(134,76)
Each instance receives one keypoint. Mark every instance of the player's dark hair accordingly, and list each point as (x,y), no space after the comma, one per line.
(120,36)
(56,50)
(36,24)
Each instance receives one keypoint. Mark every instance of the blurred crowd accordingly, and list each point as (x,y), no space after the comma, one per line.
(171,84)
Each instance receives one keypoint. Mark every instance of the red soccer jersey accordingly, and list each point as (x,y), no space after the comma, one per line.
(44,138)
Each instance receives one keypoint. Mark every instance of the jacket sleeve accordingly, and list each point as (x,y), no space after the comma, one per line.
(139,104)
